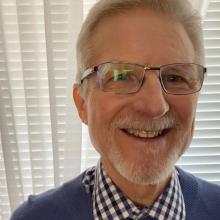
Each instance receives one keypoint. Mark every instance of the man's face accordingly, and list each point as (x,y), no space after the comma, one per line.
(141,135)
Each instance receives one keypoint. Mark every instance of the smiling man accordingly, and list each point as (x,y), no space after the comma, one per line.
(140,70)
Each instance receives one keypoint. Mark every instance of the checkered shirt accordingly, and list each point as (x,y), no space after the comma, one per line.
(109,202)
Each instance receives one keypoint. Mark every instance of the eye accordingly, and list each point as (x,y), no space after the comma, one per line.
(173,78)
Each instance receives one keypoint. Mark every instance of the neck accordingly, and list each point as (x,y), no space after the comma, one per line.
(141,195)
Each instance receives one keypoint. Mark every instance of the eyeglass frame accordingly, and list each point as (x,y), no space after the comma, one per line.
(94,69)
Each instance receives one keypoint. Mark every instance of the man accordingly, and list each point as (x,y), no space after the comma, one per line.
(140,70)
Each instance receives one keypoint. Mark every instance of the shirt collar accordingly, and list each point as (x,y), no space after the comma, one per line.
(109,202)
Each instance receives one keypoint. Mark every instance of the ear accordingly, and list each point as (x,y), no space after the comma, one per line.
(80,103)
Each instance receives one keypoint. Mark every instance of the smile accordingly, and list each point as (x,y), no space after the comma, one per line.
(144,133)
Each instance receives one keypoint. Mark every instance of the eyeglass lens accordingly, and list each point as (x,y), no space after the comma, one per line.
(125,78)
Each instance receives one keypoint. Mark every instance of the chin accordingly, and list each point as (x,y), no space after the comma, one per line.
(144,171)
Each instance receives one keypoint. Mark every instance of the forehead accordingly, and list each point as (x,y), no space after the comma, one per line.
(141,36)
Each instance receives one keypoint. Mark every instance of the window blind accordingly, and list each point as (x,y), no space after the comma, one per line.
(40,135)
(203,156)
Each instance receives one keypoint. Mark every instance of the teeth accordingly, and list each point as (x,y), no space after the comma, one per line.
(143,133)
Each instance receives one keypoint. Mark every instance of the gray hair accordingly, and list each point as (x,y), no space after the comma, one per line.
(179,10)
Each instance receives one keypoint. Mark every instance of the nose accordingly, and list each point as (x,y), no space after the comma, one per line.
(150,99)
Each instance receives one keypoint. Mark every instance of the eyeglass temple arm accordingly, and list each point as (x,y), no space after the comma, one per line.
(88,72)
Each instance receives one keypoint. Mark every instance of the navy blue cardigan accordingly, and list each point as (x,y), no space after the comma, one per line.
(71,202)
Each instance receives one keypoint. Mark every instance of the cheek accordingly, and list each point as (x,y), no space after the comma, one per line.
(103,107)
(101,112)
(185,109)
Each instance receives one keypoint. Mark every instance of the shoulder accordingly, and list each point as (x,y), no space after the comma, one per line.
(200,196)
(58,203)
(203,187)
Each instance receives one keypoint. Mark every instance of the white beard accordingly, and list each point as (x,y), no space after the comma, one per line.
(160,168)
(137,173)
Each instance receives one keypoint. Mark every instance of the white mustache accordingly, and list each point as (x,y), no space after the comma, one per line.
(141,122)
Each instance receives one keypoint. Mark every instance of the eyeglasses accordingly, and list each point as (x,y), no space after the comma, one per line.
(125,78)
